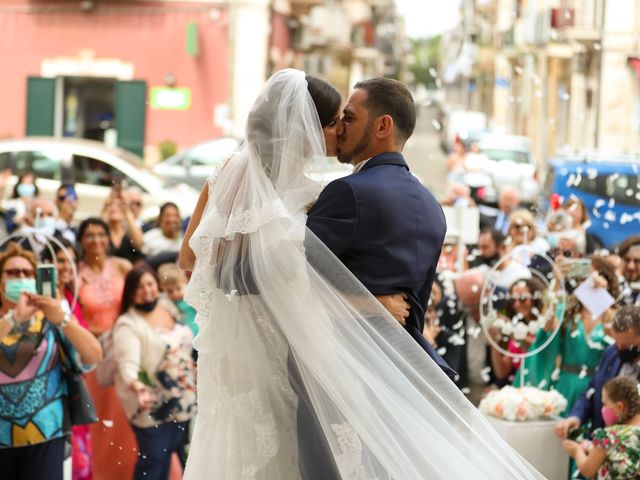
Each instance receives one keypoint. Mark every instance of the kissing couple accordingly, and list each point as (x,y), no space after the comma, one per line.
(312,363)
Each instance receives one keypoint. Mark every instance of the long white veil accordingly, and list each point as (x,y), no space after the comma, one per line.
(268,292)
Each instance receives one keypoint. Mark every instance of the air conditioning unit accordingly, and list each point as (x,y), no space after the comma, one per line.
(563,17)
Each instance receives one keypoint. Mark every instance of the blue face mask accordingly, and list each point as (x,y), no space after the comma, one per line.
(46,225)
(13,287)
(26,190)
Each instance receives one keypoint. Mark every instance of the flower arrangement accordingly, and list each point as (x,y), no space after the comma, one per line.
(522,404)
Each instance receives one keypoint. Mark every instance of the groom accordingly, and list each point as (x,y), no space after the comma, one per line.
(381,222)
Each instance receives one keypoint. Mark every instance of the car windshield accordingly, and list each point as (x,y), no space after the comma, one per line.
(512,155)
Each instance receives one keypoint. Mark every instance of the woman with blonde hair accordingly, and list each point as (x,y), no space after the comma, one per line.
(523,240)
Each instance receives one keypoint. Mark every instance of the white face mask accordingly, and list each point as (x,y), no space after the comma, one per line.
(46,225)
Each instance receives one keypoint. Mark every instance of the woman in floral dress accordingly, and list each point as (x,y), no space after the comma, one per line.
(614,453)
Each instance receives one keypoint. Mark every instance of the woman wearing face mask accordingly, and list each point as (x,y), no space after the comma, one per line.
(32,390)
(615,450)
(154,379)
(17,206)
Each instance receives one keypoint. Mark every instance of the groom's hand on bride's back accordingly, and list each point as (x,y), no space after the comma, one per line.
(397,305)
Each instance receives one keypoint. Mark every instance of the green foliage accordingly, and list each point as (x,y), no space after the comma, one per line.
(167,148)
(426,57)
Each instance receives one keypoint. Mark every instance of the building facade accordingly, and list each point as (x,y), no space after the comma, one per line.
(563,72)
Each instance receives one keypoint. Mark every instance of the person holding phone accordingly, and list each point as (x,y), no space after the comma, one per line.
(32,432)
(63,256)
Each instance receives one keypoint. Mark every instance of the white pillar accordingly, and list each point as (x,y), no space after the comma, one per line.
(250,27)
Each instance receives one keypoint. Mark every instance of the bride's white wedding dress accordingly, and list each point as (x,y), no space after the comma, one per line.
(268,292)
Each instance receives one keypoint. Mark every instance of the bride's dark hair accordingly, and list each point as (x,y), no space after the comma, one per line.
(262,133)
(325,97)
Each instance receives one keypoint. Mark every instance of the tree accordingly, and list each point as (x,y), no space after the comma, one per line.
(425,60)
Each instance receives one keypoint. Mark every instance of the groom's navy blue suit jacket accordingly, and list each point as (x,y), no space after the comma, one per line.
(388,231)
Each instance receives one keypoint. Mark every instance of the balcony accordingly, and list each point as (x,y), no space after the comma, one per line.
(579,20)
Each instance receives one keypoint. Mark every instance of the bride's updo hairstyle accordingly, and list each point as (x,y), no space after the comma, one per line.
(325,97)
(287,117)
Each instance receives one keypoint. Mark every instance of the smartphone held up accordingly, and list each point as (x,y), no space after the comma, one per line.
(46,275)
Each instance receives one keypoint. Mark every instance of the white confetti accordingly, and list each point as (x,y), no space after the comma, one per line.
(507,329)
(107,423)
(457,325)
(520,331)
(555,375)
(436,124)
(583,372)
(589,393)
(466,390)
(442,350)
(231,295)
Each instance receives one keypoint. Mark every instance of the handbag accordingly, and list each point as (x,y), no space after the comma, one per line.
(79,403)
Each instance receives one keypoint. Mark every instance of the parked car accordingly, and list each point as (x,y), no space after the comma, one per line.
(195,164)
(93,168)
(609,186)
(458,122)
(509,162)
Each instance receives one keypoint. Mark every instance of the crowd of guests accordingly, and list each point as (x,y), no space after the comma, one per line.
(120,307)
(520,259)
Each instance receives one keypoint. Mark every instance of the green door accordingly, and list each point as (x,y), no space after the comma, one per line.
(41,95)
(130,115)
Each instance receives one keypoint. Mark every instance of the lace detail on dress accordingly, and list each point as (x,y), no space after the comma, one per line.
(251,220)
(350,460)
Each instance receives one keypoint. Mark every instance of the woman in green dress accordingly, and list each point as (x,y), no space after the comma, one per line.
(569,361)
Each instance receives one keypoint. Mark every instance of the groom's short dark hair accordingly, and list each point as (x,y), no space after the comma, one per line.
(386,96)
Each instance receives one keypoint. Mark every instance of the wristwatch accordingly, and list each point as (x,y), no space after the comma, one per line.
(10,319)
(65,321)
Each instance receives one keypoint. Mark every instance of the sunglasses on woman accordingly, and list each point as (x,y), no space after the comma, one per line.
(20,272)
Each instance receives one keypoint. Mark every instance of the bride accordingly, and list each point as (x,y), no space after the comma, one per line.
(269,293)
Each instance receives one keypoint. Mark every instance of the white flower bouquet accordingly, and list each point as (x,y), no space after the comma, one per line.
(522,404)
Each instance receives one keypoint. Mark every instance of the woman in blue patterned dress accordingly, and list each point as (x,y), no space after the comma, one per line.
(33,423)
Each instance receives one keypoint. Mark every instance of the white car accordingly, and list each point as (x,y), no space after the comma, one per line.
(92,168)
(508,162)
(460,123)
(195,164)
